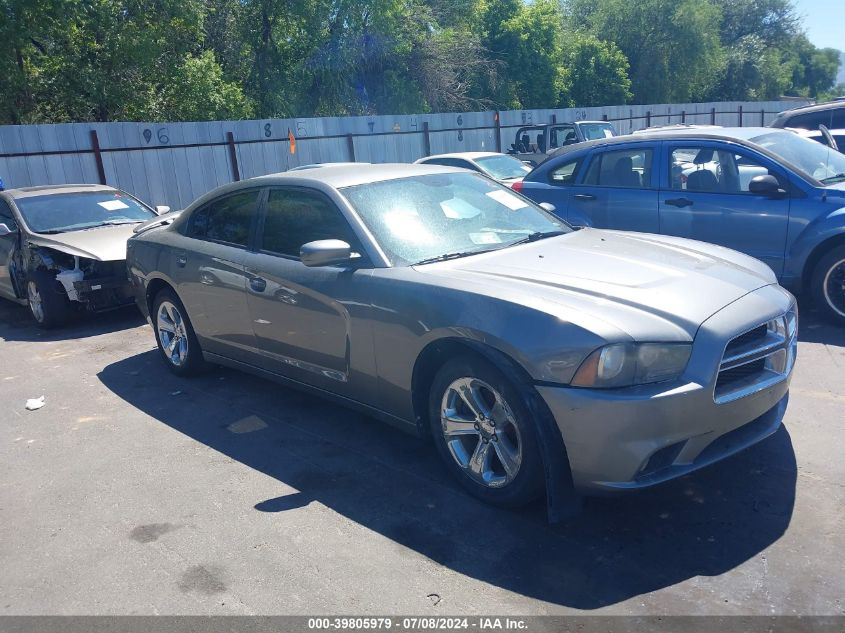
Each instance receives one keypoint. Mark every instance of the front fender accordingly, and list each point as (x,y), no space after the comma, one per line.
(805,248)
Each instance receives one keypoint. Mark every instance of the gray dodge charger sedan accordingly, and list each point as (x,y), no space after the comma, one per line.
(536,356)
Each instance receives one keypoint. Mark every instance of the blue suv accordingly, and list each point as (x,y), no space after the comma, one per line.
(769,193)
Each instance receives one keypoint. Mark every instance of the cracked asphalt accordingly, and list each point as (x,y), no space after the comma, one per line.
(135,492)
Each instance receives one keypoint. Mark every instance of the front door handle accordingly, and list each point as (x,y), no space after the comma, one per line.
(679,202)
(584,196)
(258,284)
(181,260)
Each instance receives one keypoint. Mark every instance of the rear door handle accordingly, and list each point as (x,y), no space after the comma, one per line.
(181,260)
(584,196)
(258,284)
(679,202)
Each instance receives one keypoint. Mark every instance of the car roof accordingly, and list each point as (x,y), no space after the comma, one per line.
(350,174)
(741,134)
(814,107)
(52,190)
(465,155)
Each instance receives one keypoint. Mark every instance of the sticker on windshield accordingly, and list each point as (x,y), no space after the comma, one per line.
(511,201)
(113,205)
(485,238)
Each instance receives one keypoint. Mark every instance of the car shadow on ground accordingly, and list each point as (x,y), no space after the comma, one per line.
(814,328)
(17,324)
(704,524)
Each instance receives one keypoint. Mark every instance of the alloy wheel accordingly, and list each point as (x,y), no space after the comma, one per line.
(172,333)
(481,432)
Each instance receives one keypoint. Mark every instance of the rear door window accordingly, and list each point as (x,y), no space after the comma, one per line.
(628,168)
(567,173)
(227,220)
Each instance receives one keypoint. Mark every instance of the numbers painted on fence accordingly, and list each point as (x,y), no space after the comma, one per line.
(161,135)
(268,130)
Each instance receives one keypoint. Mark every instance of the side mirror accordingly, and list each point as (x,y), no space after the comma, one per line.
(162,209)
(766,185)
(548,206)
(325,253)
(5,230)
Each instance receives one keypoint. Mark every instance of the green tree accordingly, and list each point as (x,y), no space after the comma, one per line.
(672,46)
(198,92)
(598,72)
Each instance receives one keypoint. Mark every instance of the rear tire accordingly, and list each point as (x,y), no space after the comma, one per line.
(177,342)
(828,285)
(47,299)
(485,433)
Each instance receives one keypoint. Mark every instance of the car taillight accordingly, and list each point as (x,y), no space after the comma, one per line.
(517,186)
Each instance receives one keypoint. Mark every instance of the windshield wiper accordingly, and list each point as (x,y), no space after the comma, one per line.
(831,180)
(446,256)
(116,222)
(537,235)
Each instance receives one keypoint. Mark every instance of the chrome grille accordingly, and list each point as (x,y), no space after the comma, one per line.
(757,358)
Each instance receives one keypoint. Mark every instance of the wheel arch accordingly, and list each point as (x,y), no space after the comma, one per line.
(154,286)
(561,498)
(815,256)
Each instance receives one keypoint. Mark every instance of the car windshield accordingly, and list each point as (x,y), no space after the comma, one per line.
(593,131)
(440,215)
(62,212)
(503,167)
(818,161)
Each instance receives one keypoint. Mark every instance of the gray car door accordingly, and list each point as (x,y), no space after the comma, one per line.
(210,274)
(302,317)
(7,247)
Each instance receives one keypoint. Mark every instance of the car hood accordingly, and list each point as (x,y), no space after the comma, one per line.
(650,287)
(104,243)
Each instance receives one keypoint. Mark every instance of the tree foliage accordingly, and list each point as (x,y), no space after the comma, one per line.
(101,60)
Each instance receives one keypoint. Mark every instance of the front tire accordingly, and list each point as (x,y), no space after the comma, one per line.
(175,335)
(828,285)
(485,433)
(47,300)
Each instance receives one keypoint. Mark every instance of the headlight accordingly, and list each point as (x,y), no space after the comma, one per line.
(627,364)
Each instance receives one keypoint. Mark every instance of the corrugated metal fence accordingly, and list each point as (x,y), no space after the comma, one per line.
(173,163)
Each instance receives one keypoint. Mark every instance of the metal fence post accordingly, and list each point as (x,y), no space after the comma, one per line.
(426,139)
(233,156)
(683,116)
(497,126)
(712,116)
(648,118)
(740,116)
(98,157)
(350,147)
(763,118)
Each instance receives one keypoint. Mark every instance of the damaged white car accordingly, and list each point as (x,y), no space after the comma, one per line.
(63,248)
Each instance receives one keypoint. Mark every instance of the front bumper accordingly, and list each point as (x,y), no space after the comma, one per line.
(636,437)
(104,293)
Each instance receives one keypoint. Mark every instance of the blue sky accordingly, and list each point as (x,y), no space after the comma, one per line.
(824,21)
